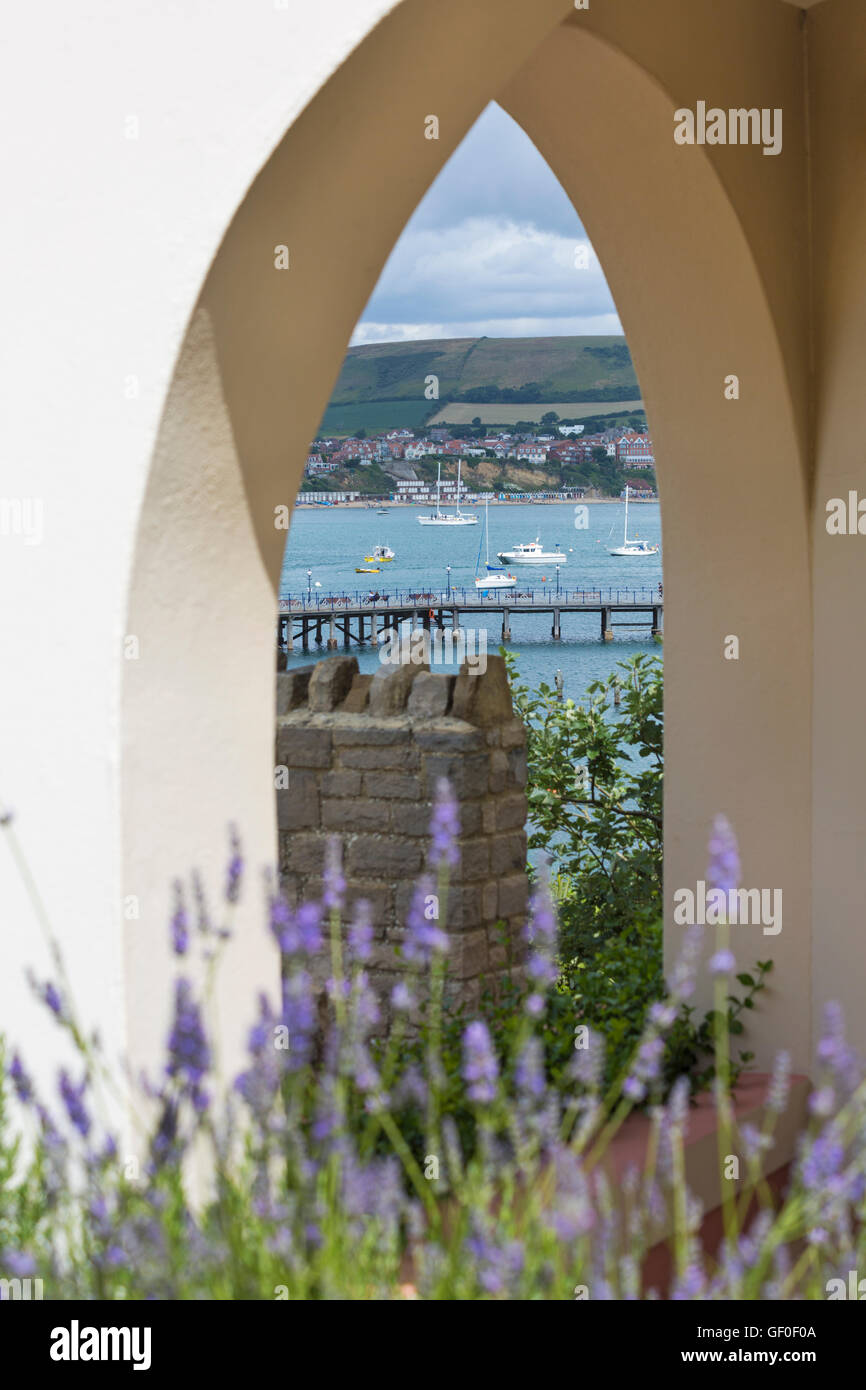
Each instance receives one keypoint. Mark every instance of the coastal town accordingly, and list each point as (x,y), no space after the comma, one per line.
(410,467)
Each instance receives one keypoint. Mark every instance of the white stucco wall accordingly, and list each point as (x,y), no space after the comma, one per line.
(106,241)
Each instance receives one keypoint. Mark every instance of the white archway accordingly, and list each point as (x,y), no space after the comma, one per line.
(258,364)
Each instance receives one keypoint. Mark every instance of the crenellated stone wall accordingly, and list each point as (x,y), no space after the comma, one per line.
(362,755)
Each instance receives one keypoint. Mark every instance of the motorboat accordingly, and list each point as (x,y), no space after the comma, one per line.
(532,553)
(381,555)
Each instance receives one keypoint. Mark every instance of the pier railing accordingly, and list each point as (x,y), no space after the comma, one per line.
(457,595)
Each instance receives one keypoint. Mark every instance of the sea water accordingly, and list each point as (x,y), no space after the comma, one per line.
(326,543)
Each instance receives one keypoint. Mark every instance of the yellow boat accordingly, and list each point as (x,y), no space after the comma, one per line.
(362,570)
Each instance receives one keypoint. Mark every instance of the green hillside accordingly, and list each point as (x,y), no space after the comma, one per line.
(386,381)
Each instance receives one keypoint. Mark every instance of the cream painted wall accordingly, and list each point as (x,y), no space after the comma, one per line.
(733,484)
(838,95)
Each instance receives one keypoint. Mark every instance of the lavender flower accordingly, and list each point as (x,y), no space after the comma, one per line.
(179,923)
(73,1099)
(333,882)
(402,1000)
(723,870)
(361,931)
(423,936)
(780,1083)
(541,934)
(722,963)
(444,827)
(189,1053)
(235,868)
(480,1068)
(20,1080)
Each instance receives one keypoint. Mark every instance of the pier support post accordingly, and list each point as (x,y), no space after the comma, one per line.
(305,635)
(374,630)
(556,625)
(606,629)
(290,634)
(657,624)
(319,632)
(506,626)
(361,638)
(332,636)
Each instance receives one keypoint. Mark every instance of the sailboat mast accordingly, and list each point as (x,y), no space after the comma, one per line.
(459,461)
(625,532)
(438,482)
(487,530)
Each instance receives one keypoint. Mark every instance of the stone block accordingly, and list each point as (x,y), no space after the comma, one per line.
(414,818)
(513,895)
(358,697)
(489,902)
(513,734)
(331,682)
(510,811)
(498,771)
(474,860)
(517,769)
(392,786)
(293,688)
(300,745)
(467,775)
(450,737)
(430,695)
(396,756)
(338,784)
(390,687)
(362,732)
(355,814)
(302,853)
(483,698)
(508,853)
(298,803)
(383,855)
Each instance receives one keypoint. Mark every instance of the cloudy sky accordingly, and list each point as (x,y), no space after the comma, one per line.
(490,251)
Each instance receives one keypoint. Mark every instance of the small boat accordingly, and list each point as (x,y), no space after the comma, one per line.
(366,569)
(634,547)
(494,578)
(532,553)
(381,554)
(440,518)
(383,511)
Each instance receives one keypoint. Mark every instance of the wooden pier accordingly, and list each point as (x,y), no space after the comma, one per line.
(365,618)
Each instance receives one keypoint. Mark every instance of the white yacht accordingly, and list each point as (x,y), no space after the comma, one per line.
(532,553)
(494,577)
(440,518)
(634,547)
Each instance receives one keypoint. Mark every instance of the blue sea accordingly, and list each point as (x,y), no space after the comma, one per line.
(330,541)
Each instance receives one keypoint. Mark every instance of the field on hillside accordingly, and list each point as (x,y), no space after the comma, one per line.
(596,368)
(464,412)
(373,416)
